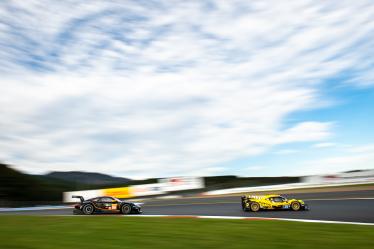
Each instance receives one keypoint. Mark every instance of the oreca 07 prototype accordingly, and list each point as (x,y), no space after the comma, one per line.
(256,203)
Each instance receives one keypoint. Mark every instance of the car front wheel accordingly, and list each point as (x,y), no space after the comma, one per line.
(295,206)
(126,209)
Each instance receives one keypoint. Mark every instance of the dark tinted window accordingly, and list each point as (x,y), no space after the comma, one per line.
(106,199)
(278,199)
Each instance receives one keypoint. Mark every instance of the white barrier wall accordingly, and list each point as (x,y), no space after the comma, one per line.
(346,177)
(181,183)
(87,194)
(162,187)
(147,189)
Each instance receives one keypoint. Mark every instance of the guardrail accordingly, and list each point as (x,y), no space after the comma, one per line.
(282,187)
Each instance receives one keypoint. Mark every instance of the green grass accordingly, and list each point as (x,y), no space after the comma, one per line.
(108,232)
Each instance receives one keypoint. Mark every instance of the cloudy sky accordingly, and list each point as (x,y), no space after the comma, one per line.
(164,88)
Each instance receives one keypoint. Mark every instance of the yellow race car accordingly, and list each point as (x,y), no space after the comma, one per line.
(255,203)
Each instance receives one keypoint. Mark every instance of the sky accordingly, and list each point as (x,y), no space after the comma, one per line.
(187,88)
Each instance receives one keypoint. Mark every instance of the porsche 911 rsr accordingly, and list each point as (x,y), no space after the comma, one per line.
(272,202)
(105,204)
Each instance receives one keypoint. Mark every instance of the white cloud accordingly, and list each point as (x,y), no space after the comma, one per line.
(306,131)
(324,145)
(368,148)
(286,152)
(169,89)
(354,158)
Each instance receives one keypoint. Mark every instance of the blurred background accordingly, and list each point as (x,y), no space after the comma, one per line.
(55,188)
(230,92)
(149,100)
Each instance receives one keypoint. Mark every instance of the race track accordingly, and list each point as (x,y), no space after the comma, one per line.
(353,206)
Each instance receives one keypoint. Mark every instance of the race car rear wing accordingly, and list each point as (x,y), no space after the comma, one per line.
(78,196)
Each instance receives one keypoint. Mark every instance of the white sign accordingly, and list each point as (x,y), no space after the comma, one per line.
(182,183)
(147,189)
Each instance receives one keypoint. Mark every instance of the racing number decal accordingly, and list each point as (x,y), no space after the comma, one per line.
(111,206)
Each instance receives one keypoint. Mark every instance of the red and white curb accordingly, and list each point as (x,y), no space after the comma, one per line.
(254,218)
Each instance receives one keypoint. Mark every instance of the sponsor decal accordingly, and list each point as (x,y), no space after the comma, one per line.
(123,192)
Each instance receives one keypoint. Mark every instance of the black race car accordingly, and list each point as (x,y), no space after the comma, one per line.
(105,204)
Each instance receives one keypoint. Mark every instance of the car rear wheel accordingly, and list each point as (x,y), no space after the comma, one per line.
(295,206)
(126,209)
(88,209)
(255,207)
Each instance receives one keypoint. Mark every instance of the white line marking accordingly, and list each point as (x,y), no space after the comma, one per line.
(256,218)
(222,217)
(341,199)
(326,221)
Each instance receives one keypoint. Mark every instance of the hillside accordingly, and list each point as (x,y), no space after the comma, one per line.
(87,178)
(20,189)
(17,188)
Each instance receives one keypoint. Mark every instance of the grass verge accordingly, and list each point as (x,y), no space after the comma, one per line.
(108,232)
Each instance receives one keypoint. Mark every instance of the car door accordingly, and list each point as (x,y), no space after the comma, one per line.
(109,204)
(278,202)
(100,203)
(266,203)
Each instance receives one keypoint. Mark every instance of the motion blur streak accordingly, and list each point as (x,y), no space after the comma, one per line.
(346,209)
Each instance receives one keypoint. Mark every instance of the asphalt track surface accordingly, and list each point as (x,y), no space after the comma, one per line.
(352,206)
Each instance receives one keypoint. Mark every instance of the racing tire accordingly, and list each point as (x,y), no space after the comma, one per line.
(88,209)
(254,207)
(295,206)
(126,209)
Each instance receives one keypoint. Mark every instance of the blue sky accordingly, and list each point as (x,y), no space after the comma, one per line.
(165,88)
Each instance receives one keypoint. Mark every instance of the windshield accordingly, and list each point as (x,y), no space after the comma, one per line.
(116,199)
(279,199)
